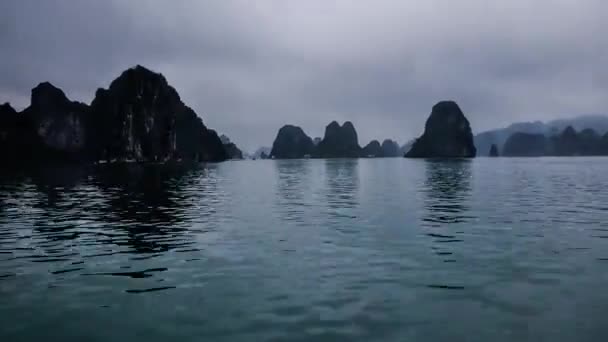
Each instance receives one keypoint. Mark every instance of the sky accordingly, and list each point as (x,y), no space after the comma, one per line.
(248,67)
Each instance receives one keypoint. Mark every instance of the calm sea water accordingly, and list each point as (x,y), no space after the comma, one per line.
(308,250)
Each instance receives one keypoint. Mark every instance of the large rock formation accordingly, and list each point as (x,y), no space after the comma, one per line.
(391,149)
(51,128)
(291,142)
(9,134)
(339,142)
(196,142)
(493,151)
(142,117)
(372,150)
(233,151)
(447,134)
(60,124)
(526,145)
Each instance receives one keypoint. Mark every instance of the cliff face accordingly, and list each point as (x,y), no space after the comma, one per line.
(140,116)
(136,117)
(291,142)
(339,142)
(8,131)
(231,149)
(447,134)
(390,148)
(53,126)
(196,142)
(372,150)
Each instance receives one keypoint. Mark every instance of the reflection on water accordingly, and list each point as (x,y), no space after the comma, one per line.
(82,216)
(293,178)
(307,250)
(342,186)
(447,188)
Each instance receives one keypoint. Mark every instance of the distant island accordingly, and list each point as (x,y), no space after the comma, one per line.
(567,143)
(339,141)
(485,140)
(447,134)
(141,118)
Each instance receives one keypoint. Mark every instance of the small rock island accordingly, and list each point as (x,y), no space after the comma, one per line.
(447,134)
(372,150)
(292,143)
(339,141)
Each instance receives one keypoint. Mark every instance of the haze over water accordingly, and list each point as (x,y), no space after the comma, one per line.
(308,250)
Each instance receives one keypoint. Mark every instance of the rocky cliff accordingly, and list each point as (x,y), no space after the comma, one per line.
(391,149)
(136,118)
(139,117)
(59,122)
(231,149)
(372,150)
(291,142)
(9,134)
(447,134)
(339,142)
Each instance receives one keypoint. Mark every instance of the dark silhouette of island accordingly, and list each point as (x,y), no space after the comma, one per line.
(447,134)
(140,117)
(292,143)
(372,150)
(567,143)
(388,149)
(494,151)
(484,140)
(339,142)
(391,149)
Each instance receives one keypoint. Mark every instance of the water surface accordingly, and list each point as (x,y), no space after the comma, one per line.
(308,250)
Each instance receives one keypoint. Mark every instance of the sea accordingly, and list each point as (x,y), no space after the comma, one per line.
(489,249)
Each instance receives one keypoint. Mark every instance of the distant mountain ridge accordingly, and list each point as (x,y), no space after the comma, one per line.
(484,140)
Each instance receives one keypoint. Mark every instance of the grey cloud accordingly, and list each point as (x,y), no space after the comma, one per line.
(248,67)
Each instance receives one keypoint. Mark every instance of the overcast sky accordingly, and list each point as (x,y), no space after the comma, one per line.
(248,67)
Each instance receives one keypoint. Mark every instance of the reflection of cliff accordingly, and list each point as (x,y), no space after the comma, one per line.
(342,178)
(447,189)
(147,203)
(141,208)
(293,180)
(56,193)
